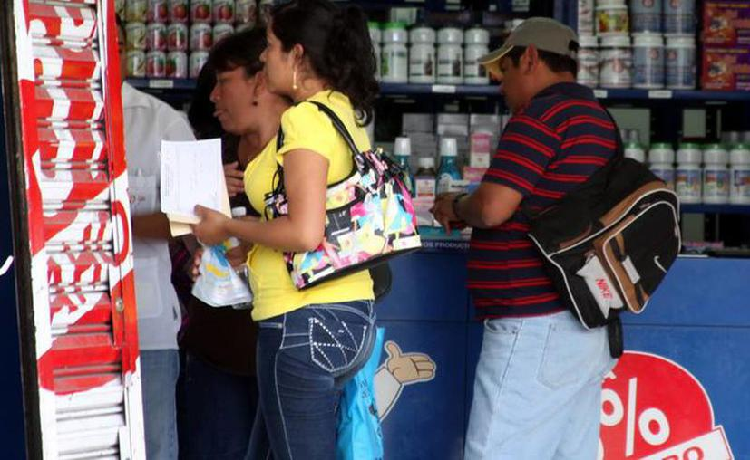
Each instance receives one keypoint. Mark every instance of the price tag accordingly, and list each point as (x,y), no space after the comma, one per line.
(600,94)
(662,94)
(160,84)
(443,89)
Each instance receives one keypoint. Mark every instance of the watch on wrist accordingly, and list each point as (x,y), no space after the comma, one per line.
(456,199)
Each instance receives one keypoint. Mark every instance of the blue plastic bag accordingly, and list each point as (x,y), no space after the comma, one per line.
(359,435)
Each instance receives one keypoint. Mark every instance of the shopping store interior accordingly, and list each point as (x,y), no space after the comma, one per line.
(675,75)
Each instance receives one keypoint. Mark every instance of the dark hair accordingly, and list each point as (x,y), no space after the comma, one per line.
(555,62)
(201,110)
(242,49)
(337,45)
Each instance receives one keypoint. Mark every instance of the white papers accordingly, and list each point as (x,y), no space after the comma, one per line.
(192,174)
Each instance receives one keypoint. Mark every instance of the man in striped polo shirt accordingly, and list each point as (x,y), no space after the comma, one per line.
(537,392)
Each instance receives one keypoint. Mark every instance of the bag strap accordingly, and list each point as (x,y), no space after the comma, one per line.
(278,180)
(614,333)
(339,125)
(526,210)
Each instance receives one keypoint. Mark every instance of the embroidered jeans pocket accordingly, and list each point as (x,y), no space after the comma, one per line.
(336,338)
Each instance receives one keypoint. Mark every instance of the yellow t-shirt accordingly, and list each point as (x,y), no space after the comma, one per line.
(305,127)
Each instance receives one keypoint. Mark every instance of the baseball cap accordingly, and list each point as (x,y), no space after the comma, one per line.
(545,34)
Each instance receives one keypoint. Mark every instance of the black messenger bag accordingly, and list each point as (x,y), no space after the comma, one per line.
(609,243)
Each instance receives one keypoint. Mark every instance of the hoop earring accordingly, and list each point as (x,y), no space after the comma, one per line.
(294,79)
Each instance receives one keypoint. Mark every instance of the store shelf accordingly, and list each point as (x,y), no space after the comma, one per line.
(162,84)
(715,209)
(407,89)
(679,95)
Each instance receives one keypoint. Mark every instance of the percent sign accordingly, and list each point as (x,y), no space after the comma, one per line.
(652,423)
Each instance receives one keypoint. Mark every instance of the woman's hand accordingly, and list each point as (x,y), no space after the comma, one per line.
(234,177)
(212,228)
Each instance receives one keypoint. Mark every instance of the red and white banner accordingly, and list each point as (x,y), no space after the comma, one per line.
(653,408)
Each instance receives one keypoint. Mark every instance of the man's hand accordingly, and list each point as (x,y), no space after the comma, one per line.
(442,210)
(235,178)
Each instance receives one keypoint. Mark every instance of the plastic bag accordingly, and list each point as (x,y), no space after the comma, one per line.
(359,434)
(219,285)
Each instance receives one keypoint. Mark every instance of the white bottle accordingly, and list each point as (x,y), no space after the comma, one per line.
(394,65)
(648,61)
(635,151)
(450,68)
(661,162)
(688,175)
(376,36)
(422,55)
(715,175)
(476,41)
(448,172)
(588,61)
(739,174)
(681,62)
(615,62)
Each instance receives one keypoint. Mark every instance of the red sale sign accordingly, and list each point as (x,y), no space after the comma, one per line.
(652,408)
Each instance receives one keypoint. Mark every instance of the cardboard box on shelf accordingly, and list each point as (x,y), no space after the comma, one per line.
(480,150)
(419,122)
(726,22)
(726,68)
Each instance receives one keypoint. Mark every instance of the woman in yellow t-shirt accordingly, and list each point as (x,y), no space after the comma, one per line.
(310,342)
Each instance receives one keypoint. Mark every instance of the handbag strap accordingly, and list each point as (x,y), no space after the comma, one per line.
(278,179)
(337,124)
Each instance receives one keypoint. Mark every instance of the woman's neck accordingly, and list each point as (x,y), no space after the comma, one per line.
(309,88)
(253,142)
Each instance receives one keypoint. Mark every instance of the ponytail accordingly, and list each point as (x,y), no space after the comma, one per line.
(337,44)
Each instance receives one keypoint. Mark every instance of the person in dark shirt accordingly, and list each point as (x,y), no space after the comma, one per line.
(537,391)
(219,392)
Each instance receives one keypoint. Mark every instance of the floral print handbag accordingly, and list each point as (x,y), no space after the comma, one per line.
(369,216)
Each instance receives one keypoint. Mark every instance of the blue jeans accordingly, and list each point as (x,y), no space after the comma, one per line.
(160,370)
(537,392)
(217,410)
(305,357)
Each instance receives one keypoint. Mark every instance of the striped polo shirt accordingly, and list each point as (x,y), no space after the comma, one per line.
(545,151)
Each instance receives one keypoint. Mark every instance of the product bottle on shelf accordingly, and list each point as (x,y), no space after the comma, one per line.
(422,55)
(688,173)
(448,172)
(661,162)
(402,154)
(635,151)
(376,36)
(394,65)
(739,175)
(424,179)
(715,175)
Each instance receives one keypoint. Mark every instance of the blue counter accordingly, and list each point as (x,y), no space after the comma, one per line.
(680,389)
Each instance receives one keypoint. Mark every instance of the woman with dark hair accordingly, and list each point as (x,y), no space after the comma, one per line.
(310,342)
(218,400)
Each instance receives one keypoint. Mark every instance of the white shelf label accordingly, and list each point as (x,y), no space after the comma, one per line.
(661,94)
(443,89)
(600,94)
(160,84)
